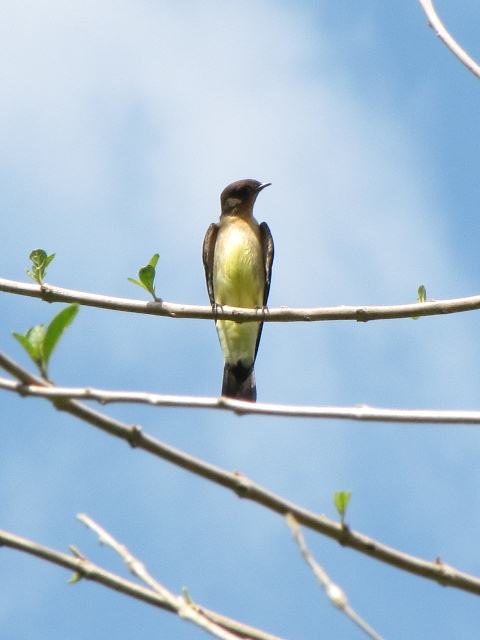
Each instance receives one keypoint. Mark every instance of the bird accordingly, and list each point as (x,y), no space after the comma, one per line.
(238,257)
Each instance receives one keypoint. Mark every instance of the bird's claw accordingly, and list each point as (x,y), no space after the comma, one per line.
(263,309)
(216,307)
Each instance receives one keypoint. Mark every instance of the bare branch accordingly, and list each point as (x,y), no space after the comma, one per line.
(435,22)
(183,608)
(334,593)
(245,488)
(367,313)
(90,571)
(360,413)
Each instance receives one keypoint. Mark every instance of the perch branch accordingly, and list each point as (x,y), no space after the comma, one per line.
(364,313)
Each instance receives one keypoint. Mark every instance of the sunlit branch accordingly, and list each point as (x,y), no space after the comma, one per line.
(334,593)
(85,569)
(357,313)
(360,413)
(246,488)
(439,28)
(181,605)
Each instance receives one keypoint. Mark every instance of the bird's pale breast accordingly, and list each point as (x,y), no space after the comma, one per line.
(238,271)
(239,281)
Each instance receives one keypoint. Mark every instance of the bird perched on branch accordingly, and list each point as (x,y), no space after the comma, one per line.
(238,257)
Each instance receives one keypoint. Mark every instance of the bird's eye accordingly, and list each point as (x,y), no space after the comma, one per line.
(244,193)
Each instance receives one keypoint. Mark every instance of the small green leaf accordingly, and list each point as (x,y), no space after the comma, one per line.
(29,348)
(76,577)
(421,297)
(32,342)
(40,341)
(154,260)
(76,552)
(56,328)
(40,261)
(36,338)
(186,595)
(422,294)
(341,500)
(146,276)
(136,282)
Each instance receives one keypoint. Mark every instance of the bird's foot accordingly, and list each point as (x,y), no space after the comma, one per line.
(263,309)
(217,307)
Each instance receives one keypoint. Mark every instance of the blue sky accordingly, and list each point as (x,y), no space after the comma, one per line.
(122,122)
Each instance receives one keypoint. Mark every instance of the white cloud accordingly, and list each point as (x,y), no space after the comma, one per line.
(125,121)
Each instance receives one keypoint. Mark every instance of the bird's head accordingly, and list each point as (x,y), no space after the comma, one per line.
(239,197)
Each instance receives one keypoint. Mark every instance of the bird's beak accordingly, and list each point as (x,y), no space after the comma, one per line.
(263,185)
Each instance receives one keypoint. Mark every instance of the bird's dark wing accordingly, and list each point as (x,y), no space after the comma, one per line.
(266,240)
(208,253)
(268,251)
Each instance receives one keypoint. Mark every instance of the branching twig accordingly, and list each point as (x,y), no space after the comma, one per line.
(50,293)
(361,413)
(135,567)
(435,22)
(245,488)
(183,608)
(91,571)
(334,593)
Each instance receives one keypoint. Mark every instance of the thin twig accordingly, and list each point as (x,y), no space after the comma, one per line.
(360,413)
(135,567)
(246,488)
(183,608)
(439,28)
(334,593)
(367,313)
(90,571)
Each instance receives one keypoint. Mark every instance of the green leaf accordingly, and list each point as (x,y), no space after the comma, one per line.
(154,260)
(421,297)
(40,261)
(341,500)
(146,276)
(422,294)
(36,338)
(56,328)
(186,595)
(40,341)
(29,348)
(136,282)
(76,577)
(33,342)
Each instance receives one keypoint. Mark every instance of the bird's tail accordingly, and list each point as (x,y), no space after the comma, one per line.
(239,382)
